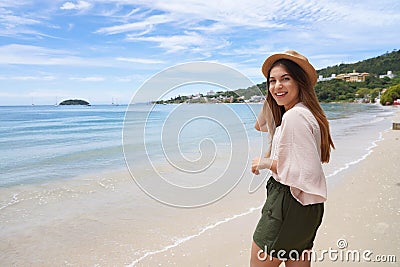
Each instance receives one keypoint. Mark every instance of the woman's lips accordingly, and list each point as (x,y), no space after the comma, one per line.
(280,94)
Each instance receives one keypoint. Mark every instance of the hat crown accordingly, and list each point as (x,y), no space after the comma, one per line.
(294,56)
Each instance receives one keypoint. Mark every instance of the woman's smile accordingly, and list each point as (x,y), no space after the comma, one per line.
(280,94)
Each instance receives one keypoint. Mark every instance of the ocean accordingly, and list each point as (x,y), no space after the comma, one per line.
(67,166)
(44,143)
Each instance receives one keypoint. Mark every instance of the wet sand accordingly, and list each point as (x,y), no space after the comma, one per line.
(97,221)
(363,211)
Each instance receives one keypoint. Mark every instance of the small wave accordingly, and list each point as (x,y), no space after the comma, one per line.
(369,151)
(45,196)
(13,201)
(187,238)
(376,120)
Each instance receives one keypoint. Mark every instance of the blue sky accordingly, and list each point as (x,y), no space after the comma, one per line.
(101,50)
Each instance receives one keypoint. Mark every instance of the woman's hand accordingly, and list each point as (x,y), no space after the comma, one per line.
(259,164)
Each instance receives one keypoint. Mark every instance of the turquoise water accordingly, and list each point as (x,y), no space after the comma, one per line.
(63,176)
(42,143)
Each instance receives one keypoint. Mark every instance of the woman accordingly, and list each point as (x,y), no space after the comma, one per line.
(301,142)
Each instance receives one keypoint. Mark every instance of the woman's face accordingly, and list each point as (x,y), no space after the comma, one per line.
(283,88)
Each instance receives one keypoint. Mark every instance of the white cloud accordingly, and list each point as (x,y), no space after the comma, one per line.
(126,28)
(36,93)
(259,14)
(70,26)
(213,28)
(247,70)
(145,25)
(173,43)
(250,50)
(140,60)
(137,36)
(88,79)
(12,24)
(29,78)
(47,93)
(36,55)
(12,20)
(205,28)
(133,11)
(68,6)
(27,54)
(365,13)
(79,5)
(192,41)
(129,78)
(16,54)
(8,94)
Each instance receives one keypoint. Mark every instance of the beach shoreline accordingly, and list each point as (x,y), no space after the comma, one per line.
(106,219)
(363,211)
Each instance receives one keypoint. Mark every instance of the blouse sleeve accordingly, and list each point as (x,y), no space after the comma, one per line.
(298,158)
(261,122)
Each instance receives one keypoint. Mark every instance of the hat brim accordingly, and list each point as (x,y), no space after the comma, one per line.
(303,63)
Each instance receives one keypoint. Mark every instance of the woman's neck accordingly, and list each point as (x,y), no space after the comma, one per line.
(291,105)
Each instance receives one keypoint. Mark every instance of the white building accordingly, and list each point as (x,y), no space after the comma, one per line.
(321,78)
(211,92)
(257,98)
(195,97)
(389,74)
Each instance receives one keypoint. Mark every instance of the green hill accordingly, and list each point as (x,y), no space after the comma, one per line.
(377,65)
(341,91)
(336,90)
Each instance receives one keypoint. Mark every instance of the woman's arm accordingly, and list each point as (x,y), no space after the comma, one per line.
(262,121)
(263,163)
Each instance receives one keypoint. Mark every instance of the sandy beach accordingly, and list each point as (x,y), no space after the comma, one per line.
(104,219)
(362,213)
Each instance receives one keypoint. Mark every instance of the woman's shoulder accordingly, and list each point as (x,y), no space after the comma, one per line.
(299,113)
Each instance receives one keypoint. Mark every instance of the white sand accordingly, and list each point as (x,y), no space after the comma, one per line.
(364,209)
(102,223)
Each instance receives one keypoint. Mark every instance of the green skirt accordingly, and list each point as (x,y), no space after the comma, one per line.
(286,228)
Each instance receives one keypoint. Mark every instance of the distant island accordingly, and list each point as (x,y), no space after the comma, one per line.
(74,102)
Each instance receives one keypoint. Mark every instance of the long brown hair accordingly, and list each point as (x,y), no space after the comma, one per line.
(308,97)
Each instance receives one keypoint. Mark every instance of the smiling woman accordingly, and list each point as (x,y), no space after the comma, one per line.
(301,141)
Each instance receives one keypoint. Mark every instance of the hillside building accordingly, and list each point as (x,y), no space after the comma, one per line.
(211,92)
(352,77)
(322,78)
(389,74)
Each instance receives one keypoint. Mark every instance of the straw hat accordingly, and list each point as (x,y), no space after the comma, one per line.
(294,56)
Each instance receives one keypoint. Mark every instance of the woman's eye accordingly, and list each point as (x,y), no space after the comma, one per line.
(286,79)
(271,81)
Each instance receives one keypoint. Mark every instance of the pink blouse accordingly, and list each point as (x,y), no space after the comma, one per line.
(296,146)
